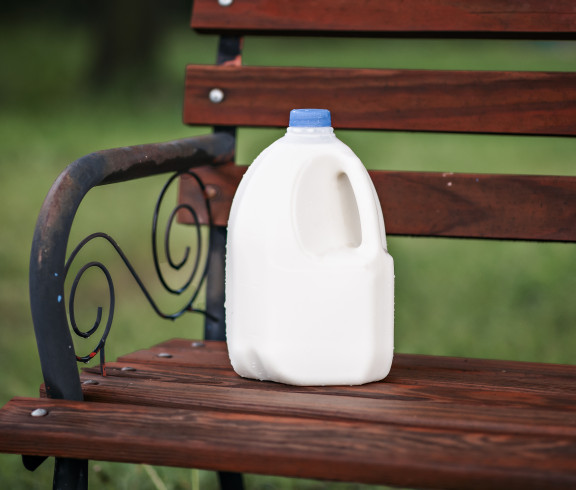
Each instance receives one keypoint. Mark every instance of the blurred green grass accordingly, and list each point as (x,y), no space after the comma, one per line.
(454,297)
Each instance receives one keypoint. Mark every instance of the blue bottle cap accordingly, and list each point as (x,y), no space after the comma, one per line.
(310,118)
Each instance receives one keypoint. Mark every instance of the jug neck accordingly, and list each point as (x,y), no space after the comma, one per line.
(323,131)
(321,135)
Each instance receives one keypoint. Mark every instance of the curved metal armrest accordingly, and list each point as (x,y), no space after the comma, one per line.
(48,256)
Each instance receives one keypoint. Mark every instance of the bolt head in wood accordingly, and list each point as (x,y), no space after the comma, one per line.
(216,96)
(211,191)
(225,3)
(39,412)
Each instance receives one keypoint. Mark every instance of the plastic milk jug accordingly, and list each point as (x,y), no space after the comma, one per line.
(309,281)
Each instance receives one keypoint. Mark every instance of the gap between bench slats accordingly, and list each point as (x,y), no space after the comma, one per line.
(439,204)
(480,17)
(538,103)
(290,446)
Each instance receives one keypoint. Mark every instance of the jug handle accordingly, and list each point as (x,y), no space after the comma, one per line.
(371,219)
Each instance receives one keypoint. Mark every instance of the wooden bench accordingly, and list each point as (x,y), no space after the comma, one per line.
(435,422)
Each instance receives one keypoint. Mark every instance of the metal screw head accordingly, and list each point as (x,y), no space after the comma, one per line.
(211,191)
(90,382)
(39,412)
(225,3)
(198,344)
(128,368)
(216,96)
(165,355)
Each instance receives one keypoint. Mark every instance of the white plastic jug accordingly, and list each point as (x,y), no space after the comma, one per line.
(309,281)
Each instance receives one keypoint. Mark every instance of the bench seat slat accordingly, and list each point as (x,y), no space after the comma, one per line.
(505,391)
(413,377)
(446,368)
(497,206)
(511,388)
(434,422)
(479,17)
(539,103)
(293,446)
(416,412)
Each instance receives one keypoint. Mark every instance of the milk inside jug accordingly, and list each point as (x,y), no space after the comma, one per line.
(309,280)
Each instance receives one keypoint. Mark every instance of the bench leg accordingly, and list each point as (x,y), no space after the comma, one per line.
(230,481)
(70,474)
(215,329)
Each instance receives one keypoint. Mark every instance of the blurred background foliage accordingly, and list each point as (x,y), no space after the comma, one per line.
(77,77)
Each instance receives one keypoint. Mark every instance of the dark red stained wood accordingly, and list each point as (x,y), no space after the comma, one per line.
(414,378)
(416,413)
(221,183)
(444,204)
(389,16)
(213,355)
(412,100)
(189,354)
(479,205)
(514,391)
(291,446)
(434,422)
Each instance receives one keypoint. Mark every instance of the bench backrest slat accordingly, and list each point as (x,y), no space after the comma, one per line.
(479,18)
(516,207)
(526,103)
(538,103)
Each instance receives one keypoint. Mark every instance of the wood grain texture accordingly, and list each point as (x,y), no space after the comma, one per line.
(478,205)
(480,18)
(181,355)
(497,206)
(421,377)
(412,100)
(434,422)
(351,405)
(222,181)
(292,446)
(434,385)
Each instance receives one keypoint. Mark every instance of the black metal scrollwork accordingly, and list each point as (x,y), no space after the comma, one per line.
(175,265)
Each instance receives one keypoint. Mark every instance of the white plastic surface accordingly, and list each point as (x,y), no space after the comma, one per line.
(309,282)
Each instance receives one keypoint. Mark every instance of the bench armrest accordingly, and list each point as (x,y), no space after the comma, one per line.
(48,255)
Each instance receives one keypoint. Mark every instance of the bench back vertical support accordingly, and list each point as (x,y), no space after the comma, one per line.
(229,52)
(214,326)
